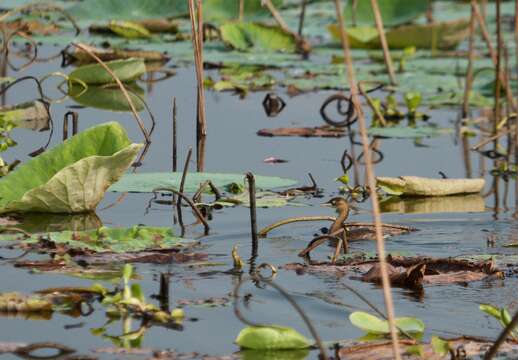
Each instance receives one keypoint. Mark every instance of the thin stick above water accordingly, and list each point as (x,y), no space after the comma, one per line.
(371,181)
(383,40)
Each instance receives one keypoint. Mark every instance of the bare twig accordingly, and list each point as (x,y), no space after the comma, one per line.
(371,180)
(374,108)
(502,337)
(184,175)
(383,40)
(278,18)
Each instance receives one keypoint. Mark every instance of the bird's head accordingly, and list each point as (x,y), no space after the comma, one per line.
(339,203)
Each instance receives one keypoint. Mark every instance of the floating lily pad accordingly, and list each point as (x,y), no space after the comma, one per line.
(257,37)
(420,186)
(147,182)
(271,338)
(126,70)
(118,240)
(374,325)
(103,10)
(441,35)
(73,176)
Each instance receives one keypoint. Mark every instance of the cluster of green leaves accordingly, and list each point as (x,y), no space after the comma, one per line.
(131,299)
(117,240)
(502,315)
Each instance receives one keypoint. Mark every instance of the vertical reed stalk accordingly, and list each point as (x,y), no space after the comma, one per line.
(371,181)
(494,55)
(278,18)
(241,10)
(302,16)
(384,44)
(196,16)
(471,58)
(253,220)
(175,144)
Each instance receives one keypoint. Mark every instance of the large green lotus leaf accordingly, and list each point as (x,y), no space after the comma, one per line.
(271,338)
(119,240)
(393,12)
(406,132)
(147,182)
(126,70)
(73,176)
(108,97)
(217,10)
(374,325)
(442,35)
(104,10)
(213,10)
(257,37)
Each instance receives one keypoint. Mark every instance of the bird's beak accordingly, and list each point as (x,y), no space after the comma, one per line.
(326,204)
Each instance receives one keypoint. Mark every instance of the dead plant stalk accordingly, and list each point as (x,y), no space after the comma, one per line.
(196,16)
(371,182)
(383,40)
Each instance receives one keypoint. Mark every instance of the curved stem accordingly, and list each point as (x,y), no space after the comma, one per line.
(191,204)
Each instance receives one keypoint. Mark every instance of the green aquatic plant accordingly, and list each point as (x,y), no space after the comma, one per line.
(73,176)
(373,325)
(502,315)
(271,338)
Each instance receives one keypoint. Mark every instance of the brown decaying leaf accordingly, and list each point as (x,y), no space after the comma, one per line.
(321,131)
(115,54)
(383,350)
(408,272)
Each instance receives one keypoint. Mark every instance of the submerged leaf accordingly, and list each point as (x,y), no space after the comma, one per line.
(271,338)
(147,182)
(73,176)
(126,70)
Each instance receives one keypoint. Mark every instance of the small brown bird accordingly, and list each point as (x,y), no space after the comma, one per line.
(342,209)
